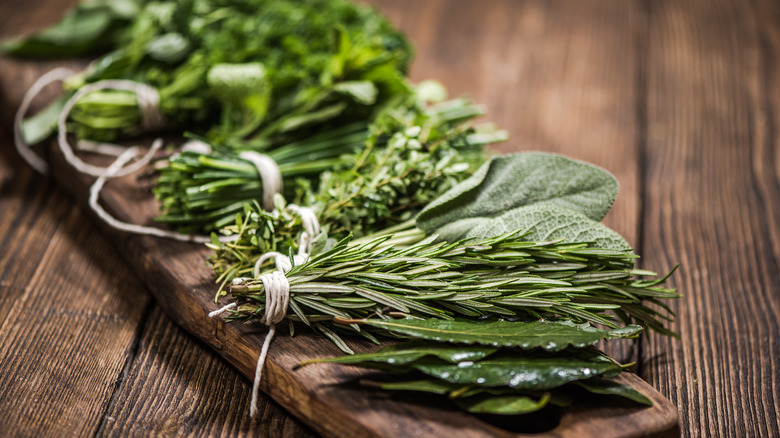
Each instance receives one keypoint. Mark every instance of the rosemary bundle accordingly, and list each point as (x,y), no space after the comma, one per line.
(505,276)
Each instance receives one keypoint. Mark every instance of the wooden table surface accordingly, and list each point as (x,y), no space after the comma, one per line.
(680,100)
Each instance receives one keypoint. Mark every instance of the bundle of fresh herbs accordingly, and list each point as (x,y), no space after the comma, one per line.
(512,265)
(269,71)
(504,368)
(414,150)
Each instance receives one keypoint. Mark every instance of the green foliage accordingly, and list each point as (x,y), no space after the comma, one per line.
(414,153)
(505,276)
(358,178)
(547,195)
(324,64)
(504,381)
(87,29)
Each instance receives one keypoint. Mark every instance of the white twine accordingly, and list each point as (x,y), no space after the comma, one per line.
(196,146)
(110,149)
(269,173)
(36,162)
(311,227)
(222,309)
(151,118)
(94,196)
(277,291)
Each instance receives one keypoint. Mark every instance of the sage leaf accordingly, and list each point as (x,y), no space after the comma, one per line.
(609,387)
(509,182)
(548,335)
(530,371)
(541,223)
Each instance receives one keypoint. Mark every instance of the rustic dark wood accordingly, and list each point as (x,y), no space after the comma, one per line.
(711,204)
(176,385)
(63,339)
(677,99)
(77,327)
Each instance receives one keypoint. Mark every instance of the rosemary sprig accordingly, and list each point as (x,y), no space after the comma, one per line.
(502,276)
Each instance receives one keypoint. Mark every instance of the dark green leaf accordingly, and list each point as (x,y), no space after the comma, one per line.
(88,28)
(531,371)
(505,404)
(406,353)
(609,387)
(549,335)
(42,125)
(429,386)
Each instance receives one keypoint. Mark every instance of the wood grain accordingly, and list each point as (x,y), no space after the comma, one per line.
(63,340)
(712,205)
(177,386)
(680,101)
(72,314)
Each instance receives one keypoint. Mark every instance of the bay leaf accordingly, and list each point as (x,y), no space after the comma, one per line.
(609,387)
(504,404)
(478,401)
(526,371)
(408,352)
(548,335)
(431,386)
(519,180)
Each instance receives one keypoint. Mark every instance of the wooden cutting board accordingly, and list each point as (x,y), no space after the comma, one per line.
(178,277)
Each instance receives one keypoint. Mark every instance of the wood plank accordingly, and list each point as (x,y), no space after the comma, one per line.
(177,385)
(67,325)
(712,205)
(31,209)
(185,292)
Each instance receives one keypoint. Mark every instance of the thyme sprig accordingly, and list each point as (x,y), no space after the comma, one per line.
(502,276)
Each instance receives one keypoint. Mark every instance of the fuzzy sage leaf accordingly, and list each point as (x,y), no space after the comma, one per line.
(527,191)
(541,223)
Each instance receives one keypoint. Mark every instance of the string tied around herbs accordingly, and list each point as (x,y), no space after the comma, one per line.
(151,119)
(277,290)
(149,108)
(270,175)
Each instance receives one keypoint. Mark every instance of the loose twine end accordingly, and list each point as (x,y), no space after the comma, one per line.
(277,293)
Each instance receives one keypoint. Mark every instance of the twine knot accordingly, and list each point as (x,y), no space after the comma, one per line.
(277,290)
